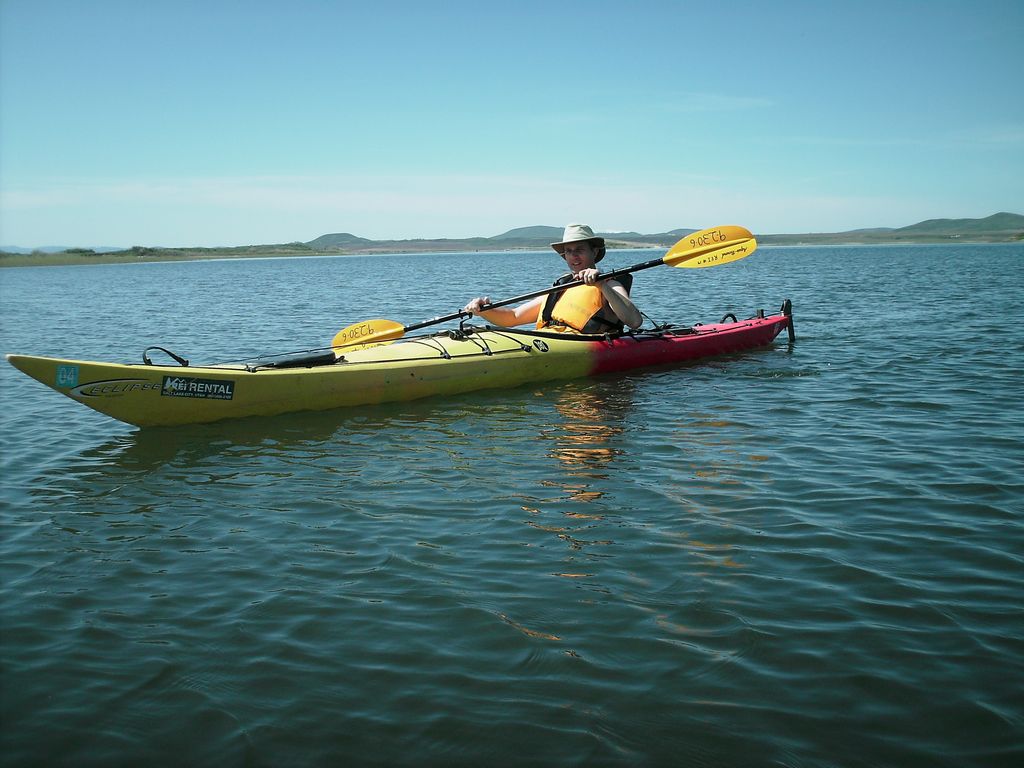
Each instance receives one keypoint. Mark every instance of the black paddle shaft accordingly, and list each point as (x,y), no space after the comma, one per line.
(533,294)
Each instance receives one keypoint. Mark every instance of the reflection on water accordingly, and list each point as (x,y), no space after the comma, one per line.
(583,442)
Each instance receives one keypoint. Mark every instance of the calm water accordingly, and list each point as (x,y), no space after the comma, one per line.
(809,555)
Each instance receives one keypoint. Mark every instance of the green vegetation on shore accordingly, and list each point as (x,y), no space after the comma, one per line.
(998,228)
(138,253)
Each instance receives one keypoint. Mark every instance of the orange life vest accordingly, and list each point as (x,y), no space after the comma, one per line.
(582,309)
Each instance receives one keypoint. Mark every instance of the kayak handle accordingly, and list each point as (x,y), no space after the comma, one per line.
(787,311)
(179,360)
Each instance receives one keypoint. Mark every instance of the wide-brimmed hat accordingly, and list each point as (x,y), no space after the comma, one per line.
(575,233)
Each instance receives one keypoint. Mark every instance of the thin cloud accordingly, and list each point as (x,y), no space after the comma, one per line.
(661,104)
(692,103)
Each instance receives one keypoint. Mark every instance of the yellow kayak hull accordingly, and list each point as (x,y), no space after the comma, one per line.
(162,395)
(441,364)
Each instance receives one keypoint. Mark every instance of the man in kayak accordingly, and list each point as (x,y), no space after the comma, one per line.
(597,306)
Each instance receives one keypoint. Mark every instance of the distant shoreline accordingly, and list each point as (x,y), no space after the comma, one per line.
(161,255)
(997,228)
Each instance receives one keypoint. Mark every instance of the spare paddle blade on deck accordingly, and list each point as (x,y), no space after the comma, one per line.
(366,334)
(711,247)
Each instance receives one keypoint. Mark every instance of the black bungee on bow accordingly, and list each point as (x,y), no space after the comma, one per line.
(179,360)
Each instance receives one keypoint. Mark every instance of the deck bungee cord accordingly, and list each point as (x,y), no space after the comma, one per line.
(314,357)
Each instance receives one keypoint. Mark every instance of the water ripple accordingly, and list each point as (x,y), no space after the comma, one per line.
(758,559)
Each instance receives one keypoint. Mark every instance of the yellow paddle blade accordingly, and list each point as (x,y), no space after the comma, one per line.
(731,252)
(710,247)
(368,333)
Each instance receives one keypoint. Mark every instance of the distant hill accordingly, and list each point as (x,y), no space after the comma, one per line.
(537,236)
(338,240)
(997,228)
(664,239)
(997,222)
(547,234)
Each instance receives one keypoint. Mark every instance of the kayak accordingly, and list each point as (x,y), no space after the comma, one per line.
(445,363)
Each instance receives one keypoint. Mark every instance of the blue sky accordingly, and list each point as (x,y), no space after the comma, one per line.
(226,123)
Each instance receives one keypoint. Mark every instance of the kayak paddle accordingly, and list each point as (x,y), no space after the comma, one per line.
(706,248)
